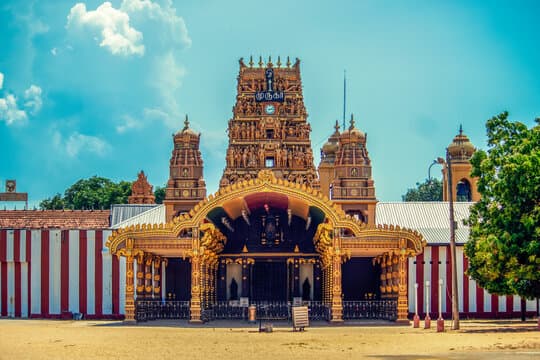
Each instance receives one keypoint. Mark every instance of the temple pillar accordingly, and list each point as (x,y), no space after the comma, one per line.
(382,260)
(402,303)
(317,284)
(296,278)
(337,301)
(222,282)
(130,299)
(148,276)
(195,303)
(157,278)
(140,276)
(246,277)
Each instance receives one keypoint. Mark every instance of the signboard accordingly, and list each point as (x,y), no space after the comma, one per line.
(269,94)
(13,196)
(300,316)
(244,301)
(11,193)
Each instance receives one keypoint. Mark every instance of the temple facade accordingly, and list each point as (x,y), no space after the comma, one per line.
(278,232)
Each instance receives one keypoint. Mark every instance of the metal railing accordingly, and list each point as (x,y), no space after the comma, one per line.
(370,309)
(156,309)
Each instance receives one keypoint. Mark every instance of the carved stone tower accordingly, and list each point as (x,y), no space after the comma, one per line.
(464,186)
(326,169)
(269,128)
(186,186)
(352,186)
(141,191)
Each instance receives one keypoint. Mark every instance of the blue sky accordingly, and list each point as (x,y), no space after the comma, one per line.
(98,88)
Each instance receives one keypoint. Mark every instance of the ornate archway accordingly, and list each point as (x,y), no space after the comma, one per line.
(193,235)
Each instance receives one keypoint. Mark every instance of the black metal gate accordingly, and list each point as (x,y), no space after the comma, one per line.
(156,309)
(370,309)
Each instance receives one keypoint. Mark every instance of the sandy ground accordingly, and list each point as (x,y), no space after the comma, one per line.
(46,339)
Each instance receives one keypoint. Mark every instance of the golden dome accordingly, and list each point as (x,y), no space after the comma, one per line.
(461,147)
(332,145)
(187,130)
(352,132)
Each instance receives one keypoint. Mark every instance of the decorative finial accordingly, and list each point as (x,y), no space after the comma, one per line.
(278,62)
(250,61)
(460,129)
(336,126)
(186,123)
(260,61)
(352,122)
(241,61)
(288,62)
(269,62)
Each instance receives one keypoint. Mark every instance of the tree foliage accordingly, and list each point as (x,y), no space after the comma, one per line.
(93,193)
(504,245)
(159,193)
(430,190)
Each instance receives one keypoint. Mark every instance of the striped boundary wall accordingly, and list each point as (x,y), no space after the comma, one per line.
(474,302)
(51,273)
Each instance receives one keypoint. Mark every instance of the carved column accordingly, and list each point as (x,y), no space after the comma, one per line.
(296,278)
(403,305)
(382,260)
(337,303)
(140,276)
(157,278)
(245,277)
(130,300)
(222,282)
(195,304)
(389,275)
(395,276)
(148,276)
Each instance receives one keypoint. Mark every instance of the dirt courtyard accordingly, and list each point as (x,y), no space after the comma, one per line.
(49,339)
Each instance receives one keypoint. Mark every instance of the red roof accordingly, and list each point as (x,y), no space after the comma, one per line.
(62,219)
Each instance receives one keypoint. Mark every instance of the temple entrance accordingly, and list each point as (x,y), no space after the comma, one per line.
(269,281)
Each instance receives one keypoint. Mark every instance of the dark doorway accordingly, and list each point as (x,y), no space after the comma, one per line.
(269,281)
(360,279)
(178,280)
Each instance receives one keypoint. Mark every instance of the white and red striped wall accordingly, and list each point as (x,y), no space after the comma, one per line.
(50,273)
(434,264)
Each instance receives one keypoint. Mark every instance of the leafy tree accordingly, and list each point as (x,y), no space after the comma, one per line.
(430,190)
(54,203)
(159,193)
(504,245)
(93,193)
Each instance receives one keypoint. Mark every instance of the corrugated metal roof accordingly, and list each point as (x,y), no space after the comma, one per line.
(431,219)
(155,215)
(122,212)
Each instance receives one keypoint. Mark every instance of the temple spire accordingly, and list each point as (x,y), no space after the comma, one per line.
(186,123)
(344,95)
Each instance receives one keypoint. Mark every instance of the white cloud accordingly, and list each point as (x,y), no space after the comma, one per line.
(117,35)
(1,80)
(54,51)
(128,123)
(33,102)
(77,143)
(174,26)
(10,112)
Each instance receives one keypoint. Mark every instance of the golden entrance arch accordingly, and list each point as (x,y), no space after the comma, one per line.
(193,236)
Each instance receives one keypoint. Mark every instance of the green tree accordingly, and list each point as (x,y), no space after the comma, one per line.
(159,193)
(93,193)
(54,203)
(504,245)
(430,190)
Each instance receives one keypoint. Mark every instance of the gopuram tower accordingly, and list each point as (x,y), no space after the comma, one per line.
(269,128)
(186,186)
